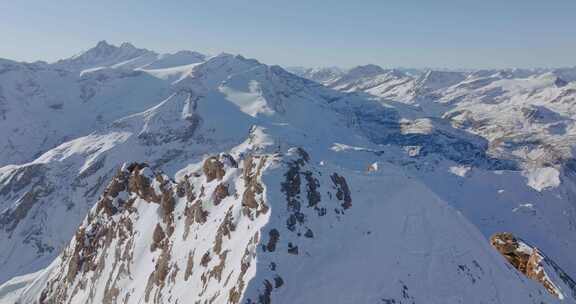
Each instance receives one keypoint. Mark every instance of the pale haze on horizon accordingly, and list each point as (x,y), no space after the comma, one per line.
(451,34)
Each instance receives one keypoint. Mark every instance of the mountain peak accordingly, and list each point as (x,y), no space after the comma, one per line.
(127,45)
(103,48)
(104,54)
(103,43)
(368,70)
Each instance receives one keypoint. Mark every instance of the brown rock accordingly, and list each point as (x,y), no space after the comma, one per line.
(185,189)
(253,187)
(220,193)
(140,184)
(213,169)
(157,237)
(527,262)
(216,272)
(167,203)
(205,259)
(225,229)
(189,266)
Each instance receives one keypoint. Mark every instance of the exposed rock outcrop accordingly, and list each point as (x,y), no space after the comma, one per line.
(213,169)
(531,262)
(104,245)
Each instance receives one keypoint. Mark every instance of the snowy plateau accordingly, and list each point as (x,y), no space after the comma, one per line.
(128,176)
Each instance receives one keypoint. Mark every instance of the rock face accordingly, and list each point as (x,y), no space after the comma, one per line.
(105,250)
(213,169)
(531,262)
(140,207)
(509,247)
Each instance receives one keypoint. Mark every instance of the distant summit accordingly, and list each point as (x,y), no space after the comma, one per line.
(127,56)
(107,55)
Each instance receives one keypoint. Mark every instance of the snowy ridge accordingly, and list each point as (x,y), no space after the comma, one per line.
(216,240)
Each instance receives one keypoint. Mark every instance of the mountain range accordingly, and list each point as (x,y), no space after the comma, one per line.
(128,176)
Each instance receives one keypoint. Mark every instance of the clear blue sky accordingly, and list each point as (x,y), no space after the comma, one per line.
(409,33)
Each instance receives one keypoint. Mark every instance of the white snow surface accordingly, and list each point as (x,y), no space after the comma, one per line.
(543,178)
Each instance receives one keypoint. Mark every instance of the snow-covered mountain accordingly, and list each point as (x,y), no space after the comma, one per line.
(126,56)
(525,115)
(187,178)
(43,105)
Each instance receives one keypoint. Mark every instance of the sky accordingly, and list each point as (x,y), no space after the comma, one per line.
(400,33)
